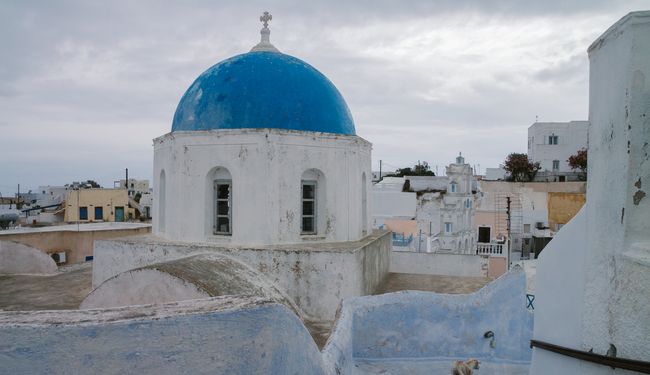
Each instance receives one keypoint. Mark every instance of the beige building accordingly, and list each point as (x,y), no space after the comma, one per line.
(562,207)
(72,243)
(97,205)
(534,210)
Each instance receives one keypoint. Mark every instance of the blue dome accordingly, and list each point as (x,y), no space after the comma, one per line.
(263,90)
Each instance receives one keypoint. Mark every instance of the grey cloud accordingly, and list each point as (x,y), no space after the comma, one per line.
(77,78)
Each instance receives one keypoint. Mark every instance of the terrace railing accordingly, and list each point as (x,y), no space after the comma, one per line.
(495,249)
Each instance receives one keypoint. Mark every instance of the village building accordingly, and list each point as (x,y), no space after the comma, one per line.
(551,144)
(444,210)
(97,205)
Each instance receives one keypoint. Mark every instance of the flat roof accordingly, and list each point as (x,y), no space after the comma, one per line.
(82,227)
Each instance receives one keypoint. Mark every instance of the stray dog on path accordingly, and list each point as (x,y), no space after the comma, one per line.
(464,368)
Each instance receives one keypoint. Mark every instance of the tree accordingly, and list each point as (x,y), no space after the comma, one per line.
(578,160)
(520,168)
(86,184)
(420,169)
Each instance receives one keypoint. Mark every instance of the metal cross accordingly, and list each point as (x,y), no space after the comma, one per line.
(265,18)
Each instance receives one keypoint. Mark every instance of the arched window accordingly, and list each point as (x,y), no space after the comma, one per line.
(220,211)
(162,200)
(364,205)
(312,201)
(454,186)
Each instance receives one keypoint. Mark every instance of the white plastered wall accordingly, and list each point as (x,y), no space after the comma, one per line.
(593,279)
(266,166)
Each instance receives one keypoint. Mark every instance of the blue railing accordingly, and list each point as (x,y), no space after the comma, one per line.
(400,240)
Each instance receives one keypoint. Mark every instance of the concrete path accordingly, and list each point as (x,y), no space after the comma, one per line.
(62,291)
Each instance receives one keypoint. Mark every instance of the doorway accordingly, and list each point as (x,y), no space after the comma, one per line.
(119,214)
(484,234)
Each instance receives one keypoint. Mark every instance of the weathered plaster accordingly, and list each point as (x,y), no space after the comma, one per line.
(421,326)
(438,264)
(562,207)
(222,335)
(593,286)
(193,277)
(16,258)
(266,167)
(316,276)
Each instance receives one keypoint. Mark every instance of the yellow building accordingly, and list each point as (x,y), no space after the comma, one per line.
(93,205)
(562,207)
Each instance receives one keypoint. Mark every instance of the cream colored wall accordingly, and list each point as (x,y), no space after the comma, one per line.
(486,219)
(77,245)
(91,198)
(408,227)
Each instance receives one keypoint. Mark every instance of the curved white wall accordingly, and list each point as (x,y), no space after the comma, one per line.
(266,166)
(593,279)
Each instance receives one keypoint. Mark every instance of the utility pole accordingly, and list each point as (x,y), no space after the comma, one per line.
(379,169)
(508,221)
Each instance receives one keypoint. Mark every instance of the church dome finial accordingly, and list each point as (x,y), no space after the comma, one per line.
(265,43)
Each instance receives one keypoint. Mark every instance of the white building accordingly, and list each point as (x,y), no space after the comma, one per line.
(495,174)
(262,165)
(593,278)
(551,143)
(445,209)
(457,232)
(390,203)
(135,186)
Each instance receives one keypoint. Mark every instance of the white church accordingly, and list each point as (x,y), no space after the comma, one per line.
(261,229)
(262,150)
(262,164)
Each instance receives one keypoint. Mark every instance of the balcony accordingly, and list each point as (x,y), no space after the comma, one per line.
(491,249)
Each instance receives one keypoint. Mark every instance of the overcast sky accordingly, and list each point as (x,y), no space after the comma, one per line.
(86,85)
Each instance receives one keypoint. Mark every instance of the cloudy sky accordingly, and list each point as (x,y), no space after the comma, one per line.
(86,85)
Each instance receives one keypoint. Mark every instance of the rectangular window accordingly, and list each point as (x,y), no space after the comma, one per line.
(448,227)
(223,207)
(556,165)
(83,213)
(552,139)
(99,213)
(526,228)
(308,222)
(453,187)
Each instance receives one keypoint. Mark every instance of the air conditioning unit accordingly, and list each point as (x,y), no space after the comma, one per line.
(540,225)
(58,257)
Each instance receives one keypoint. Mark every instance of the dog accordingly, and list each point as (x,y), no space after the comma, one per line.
(465,368)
